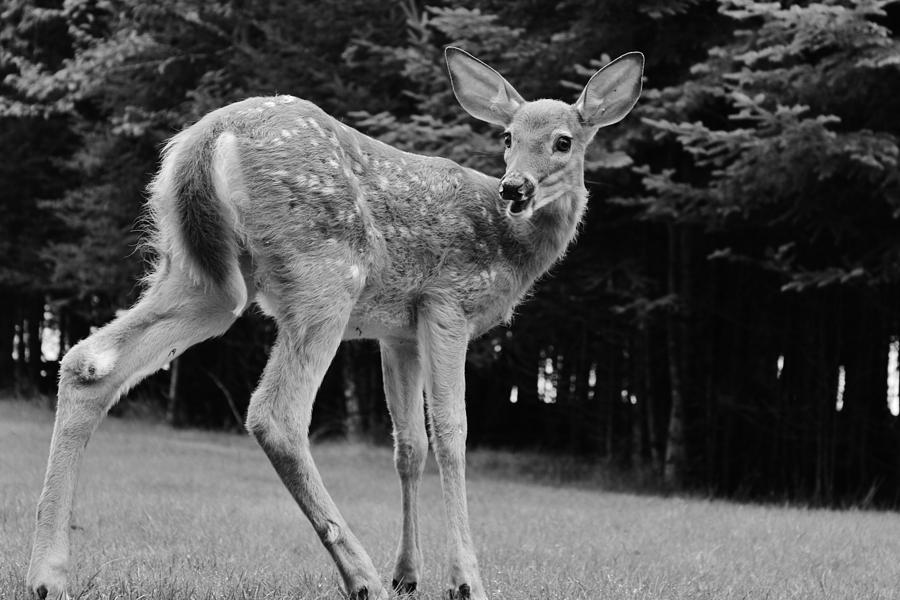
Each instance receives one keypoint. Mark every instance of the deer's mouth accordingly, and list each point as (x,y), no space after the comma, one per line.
(518,189)
(519,205)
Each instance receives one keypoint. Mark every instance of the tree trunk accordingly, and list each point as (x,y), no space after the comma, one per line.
(646,401)
(673,473)
(173,407)
(34,322)
(353,428)
(7,335)
(21,366)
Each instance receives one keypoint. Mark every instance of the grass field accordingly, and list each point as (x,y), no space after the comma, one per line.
(164,514)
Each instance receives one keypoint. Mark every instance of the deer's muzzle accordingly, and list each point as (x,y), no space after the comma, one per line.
(518,188)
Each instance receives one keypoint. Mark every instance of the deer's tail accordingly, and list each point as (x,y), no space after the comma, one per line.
(192,209)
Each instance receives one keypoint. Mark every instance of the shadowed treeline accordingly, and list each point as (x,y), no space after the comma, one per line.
(727,321)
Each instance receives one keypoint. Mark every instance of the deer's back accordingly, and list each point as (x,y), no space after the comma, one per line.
(327,210)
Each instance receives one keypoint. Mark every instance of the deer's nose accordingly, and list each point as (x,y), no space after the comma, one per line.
(516,187)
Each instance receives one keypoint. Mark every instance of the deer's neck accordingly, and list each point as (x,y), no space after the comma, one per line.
(531,246)
(545,237)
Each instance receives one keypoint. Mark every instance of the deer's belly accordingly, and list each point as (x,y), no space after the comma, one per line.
(361,329)
(389,308)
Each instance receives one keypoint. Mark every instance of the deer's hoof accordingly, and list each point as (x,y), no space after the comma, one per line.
(461,593)
(360,594)
(47,583)
(373,591)
(43,592)
(404,588)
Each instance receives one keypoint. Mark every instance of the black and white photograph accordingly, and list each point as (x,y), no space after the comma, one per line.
(457,300)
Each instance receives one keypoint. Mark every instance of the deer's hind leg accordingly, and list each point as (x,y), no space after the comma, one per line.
(279,417)
(402,370)
(173,315)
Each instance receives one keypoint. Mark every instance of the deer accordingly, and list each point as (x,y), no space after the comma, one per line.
(339,236)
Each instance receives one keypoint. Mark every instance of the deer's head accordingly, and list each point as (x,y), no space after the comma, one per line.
(545,139)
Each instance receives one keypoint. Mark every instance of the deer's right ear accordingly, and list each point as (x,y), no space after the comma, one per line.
(481,90)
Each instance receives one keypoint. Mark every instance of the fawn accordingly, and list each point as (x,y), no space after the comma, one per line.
(339,236)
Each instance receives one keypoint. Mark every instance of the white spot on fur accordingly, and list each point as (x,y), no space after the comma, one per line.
(332,534)
(315,125)
(269,104)
(354,271)
(285,133)
(103,362)
(265,304)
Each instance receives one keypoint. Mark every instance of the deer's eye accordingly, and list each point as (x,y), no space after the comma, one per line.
(563,144)
(507,139)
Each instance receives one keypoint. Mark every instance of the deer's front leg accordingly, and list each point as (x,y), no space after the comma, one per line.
(443,338)
(403,389)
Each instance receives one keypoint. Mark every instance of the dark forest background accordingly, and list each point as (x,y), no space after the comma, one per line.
(728,321)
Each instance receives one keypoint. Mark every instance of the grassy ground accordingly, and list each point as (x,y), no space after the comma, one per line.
(166,514)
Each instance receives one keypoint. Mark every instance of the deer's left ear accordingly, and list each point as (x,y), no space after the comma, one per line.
(612,92)
(481,90)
